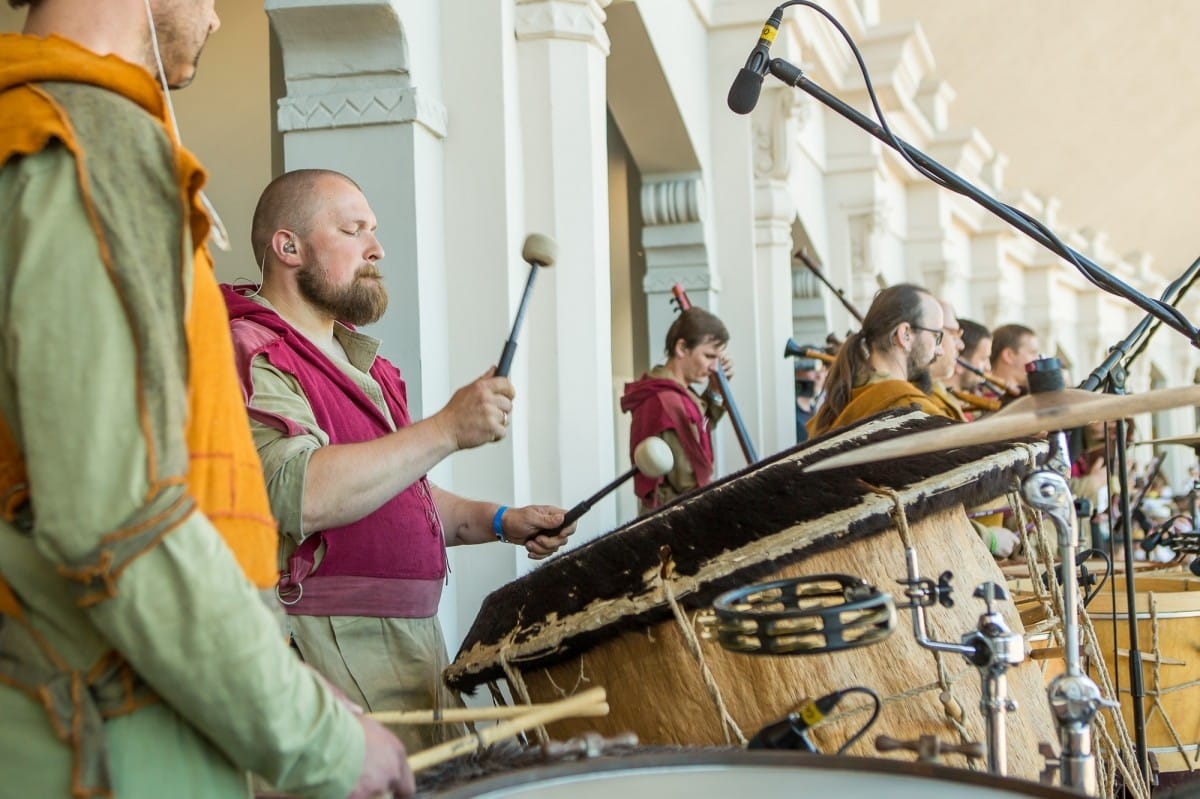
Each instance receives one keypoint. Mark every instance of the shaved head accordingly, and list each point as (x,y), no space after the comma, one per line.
(289,202)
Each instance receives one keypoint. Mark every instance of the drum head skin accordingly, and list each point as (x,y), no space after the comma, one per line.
(760,775)
(737,531)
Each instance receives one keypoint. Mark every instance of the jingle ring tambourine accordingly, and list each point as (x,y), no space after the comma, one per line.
(803,616)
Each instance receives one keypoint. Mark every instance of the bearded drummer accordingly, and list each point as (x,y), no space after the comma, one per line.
(887,363)
(942,369)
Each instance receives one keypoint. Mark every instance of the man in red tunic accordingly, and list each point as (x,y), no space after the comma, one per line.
(363,531)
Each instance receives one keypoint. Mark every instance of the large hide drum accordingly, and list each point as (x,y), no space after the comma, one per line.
(1168,614)
(603,615)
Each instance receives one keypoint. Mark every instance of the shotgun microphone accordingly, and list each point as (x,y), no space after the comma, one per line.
(743,94)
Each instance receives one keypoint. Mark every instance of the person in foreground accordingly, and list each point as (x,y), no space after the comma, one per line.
(664,403)
(137,656)
(363,531)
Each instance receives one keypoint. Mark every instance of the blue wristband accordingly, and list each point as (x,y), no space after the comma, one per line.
(497,523)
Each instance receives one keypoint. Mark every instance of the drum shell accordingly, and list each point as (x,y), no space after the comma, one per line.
(703,774)
(1174,653)
(655,688)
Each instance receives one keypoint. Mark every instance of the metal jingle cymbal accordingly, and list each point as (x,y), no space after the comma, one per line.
(1027,416)
(1187,441)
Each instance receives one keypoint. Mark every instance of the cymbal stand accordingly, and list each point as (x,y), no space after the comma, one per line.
(992,647)
(1194,493)
(1074,697)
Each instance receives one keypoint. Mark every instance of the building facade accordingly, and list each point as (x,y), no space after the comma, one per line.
(603,124)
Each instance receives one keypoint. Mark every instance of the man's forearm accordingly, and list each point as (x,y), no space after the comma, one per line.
(346,482)
(465,521)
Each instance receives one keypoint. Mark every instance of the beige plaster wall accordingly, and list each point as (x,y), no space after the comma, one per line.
(1093,101)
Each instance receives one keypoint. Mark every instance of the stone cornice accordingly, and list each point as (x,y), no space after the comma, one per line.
(354,108)
(672,200)
(578,20)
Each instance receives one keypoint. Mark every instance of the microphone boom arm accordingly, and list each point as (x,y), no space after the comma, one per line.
(793,76)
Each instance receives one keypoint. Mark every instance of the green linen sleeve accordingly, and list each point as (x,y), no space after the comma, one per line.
(182,613)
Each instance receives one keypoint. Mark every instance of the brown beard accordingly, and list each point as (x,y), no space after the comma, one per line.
(360,303)
(918,373)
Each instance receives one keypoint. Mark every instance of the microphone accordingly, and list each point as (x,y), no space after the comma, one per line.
(539,250)
(743,94)
(1150,542)
(790,732)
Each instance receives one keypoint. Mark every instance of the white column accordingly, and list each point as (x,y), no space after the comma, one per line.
(352,106)
(781,113)
(561,52)
(732,186)
(673,239)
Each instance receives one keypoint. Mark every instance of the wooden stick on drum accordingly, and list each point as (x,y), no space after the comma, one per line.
(652,458)
(580,704)
(538,251)
(457,714)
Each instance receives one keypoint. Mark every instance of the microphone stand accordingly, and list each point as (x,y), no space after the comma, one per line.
(793,76)
(1078,768)
(992,648)
(1111,375)
(1074,697)
(1173,294)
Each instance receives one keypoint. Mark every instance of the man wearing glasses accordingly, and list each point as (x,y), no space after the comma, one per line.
(887,363)
(942,370)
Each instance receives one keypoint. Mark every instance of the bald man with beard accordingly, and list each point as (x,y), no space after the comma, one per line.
(362,530)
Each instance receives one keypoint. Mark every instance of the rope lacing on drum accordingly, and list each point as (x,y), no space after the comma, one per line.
(687,629)
(517,683)
(950,705)
(1157,691)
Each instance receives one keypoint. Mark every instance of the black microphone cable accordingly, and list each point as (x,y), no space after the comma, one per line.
(1095,276)
(791,732)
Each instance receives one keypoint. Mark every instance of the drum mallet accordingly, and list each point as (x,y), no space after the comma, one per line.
(538,251)
(652,458)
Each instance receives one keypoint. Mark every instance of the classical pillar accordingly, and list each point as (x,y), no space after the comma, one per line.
(562,48)
(777,121)
(351,105)
(673,240)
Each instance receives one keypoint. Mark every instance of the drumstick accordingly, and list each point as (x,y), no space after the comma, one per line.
(457,714)
(538,251)
(562,709)
(652,457)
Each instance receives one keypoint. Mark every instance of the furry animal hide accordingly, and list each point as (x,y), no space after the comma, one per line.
(732,533)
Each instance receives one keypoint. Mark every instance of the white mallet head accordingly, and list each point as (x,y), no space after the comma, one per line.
(539,249)
(653,457)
